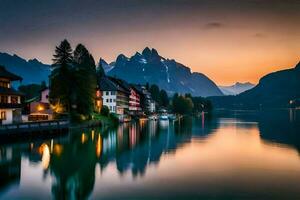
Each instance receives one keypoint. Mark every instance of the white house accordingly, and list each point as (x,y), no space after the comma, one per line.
(114,96)
(10,99)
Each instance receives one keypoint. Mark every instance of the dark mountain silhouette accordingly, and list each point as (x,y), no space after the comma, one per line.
(276,89)
(237,88)
(168,74)
(32,71)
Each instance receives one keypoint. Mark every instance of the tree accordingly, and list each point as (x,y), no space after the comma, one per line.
(30,91)
(61,76)
(164,99)
(182,104)
(105,111)
(43,85)
(201,104)
(85,80)
(100,71)
(155,93)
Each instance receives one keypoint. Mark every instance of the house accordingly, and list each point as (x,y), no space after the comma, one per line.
(134,102)
(113,95)
(10,99)
(134,107)
(39,107)
(146,102)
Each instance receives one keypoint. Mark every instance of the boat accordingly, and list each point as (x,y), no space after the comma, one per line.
(164,117)
(172,117)
(153,117)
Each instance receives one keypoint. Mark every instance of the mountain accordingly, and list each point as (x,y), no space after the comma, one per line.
(237,88)
(168,74)
(274,90)
(107,67)
(32,71)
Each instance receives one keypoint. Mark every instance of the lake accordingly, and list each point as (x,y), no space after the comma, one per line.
(225,155)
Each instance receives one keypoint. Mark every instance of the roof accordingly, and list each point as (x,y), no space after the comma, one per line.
(6,74)
(121,84)
(105,84)
(34,99)
(10,91)
(138,88)
(109,84)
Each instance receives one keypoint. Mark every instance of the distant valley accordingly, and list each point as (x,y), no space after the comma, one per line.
(237,88)
(276,89)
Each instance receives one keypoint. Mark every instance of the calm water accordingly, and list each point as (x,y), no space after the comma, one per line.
(236,155)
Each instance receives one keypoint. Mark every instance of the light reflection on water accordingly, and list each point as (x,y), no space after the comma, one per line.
(227,155)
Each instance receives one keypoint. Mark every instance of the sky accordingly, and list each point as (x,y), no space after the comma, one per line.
(227,40)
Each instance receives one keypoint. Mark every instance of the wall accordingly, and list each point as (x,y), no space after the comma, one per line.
(111,105)
(9,116)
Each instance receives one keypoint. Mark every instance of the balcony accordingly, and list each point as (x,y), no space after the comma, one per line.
(10,105)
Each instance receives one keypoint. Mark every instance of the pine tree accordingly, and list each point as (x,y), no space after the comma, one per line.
(100,71)
(61,76)
(164,99)
(85,80)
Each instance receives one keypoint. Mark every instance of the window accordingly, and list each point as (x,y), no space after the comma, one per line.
(113,93)
(107,93)
(110,100)
(14,99)
(107,100)
(3,115)
(4,84)
(3,99)
(114,100)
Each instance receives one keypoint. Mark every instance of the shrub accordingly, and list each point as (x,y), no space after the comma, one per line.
(105,111)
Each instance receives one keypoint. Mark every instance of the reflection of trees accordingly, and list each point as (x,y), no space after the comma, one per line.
(132,147)
(10,167)
(74,167)
(280,127)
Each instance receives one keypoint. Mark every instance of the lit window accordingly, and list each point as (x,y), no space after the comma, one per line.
(3,115)
(14,99)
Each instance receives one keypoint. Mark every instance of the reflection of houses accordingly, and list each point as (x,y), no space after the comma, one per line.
(10,99)
(10,167)
(39,107)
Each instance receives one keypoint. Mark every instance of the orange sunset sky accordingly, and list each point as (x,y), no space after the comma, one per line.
(227,40)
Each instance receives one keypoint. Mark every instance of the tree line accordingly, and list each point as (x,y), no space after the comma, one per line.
(73,80)
(180,104)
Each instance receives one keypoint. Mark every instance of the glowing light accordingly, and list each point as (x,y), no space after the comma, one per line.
(58,108)
(44,150)
(83,138)
(99,146)
(40,108)
(93,135)
(58,149)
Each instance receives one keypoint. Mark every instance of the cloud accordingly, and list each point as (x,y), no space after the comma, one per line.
(214,25)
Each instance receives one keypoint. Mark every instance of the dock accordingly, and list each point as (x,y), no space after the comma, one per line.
(30,129)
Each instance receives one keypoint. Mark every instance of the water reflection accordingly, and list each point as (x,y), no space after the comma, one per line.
(223,155)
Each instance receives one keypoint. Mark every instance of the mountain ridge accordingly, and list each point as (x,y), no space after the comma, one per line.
(27,69)
(150,67)
(276,89)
